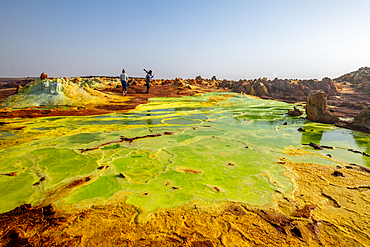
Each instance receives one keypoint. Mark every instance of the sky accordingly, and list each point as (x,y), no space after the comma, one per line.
(233,40)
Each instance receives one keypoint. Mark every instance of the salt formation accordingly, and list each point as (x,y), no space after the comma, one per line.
(317,108)
(363,119)
(59,91)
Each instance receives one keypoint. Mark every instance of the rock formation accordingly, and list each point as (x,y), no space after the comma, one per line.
(19,87)
(328,86)
(60,91)
(295,112)
(358,80)
(363,119)
(251,87)
(316,108)
(359,76)
(43,76)
(281,88)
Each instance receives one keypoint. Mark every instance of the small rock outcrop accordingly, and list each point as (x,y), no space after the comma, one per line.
(363,118)
(19,87)
(43,76)
(317,109)
(328,86)
(295,112)
(251,87)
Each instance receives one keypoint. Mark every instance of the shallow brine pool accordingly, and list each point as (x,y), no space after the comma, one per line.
(169,152)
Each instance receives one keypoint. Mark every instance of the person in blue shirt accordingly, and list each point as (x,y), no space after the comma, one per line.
(148,79)
(124,79)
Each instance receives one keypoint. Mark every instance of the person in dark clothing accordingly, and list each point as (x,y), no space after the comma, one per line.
(148,78)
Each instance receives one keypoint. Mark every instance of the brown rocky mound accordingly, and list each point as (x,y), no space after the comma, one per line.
(316,108)
(363,119)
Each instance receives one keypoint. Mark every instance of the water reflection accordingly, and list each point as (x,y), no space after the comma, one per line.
(363,141)
(149,119)
(310,134)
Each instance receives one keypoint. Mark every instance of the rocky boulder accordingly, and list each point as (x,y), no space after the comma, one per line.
(239,86)
(19,87)
(259,88)
(363,118)
(198,78)
(328,86)
(179,82)
(295,112)
(191,81)
(43,76)
(317,108)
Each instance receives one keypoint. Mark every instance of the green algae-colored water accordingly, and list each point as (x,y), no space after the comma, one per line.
(219,146)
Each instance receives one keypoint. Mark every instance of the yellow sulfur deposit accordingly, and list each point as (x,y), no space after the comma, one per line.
(61,91)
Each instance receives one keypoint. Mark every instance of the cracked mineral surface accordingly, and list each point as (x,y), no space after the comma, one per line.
(214,169)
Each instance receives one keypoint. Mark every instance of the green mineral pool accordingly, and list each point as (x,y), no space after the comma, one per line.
(169,152)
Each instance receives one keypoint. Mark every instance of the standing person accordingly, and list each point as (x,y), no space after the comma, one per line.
(148,78)
(124,79)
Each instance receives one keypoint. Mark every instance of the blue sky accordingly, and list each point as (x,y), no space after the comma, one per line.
(229,39)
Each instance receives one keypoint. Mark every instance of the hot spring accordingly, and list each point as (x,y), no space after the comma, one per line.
(170,152)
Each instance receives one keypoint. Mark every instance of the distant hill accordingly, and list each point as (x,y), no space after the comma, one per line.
(359,80)
(362,75)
